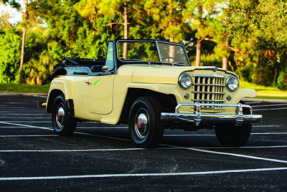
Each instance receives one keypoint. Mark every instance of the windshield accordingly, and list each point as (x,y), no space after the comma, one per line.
(151,51)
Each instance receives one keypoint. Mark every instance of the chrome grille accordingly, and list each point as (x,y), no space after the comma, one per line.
(208,89)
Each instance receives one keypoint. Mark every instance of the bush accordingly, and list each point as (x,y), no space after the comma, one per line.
(262,75)
(282,80)
(245,73)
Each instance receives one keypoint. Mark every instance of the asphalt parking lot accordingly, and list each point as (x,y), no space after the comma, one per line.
(101,157)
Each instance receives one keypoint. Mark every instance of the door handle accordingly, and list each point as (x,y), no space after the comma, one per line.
(88,82)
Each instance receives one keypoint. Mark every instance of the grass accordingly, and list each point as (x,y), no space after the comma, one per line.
(265,92)
(262,91)
(24,88)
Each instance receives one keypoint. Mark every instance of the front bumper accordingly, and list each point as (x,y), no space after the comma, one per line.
(198,118)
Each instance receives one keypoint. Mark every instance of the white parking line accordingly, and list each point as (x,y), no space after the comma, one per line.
(32,115)
(23,125)
(270,133)
(70,150)
(142,174)
(4,136)
(266,126)
(212,135)
(127,149)
(244,147)
(189,135)
(25,118)
(29,121)
(80,133)
(112,127)
(238,155)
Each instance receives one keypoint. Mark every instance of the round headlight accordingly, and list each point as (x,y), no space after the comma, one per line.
(184,80)
(232,83)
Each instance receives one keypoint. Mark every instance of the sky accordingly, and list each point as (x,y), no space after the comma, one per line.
(16,16)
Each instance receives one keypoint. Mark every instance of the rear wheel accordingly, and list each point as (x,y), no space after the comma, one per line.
(63,123)
(233,136)
(144,122)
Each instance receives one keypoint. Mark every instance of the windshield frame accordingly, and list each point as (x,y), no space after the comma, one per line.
(122,62)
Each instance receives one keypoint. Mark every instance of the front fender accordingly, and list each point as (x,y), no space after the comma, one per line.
(242,93)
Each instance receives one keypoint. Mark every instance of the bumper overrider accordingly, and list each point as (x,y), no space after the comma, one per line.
(198,118)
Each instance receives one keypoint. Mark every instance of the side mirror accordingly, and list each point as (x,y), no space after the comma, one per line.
(105,69)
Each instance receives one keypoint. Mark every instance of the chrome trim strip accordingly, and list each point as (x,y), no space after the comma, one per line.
(203,92)
(205,100)
(197,117)
(210,76)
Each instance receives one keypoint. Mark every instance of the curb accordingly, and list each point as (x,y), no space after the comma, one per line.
(265,100)
(23,94)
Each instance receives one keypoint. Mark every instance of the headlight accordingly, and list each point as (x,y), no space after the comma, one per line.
(184,80)
(232,83)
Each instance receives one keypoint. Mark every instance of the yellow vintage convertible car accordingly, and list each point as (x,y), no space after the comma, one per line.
(151,86)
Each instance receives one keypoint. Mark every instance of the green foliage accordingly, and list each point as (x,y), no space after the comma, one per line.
(210,60)
(252,34)
(282,80)
(10,43)
(258,30)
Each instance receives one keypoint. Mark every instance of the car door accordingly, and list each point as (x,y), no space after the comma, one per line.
(101,87)
(100,94)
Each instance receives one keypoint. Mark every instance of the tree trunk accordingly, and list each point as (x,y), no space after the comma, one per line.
(225,62)
(199,39)
(198,52)
(171,48)
(25,18)
(225,58)
(125,48)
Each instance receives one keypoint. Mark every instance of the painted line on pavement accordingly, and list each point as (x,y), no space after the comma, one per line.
(238,155)
(271,133)
(15,136)
(29,121)
(142,174)
(70,150)
(8,115)
(76,132)
(24,118)
(127,149)
(212,135)
(114,127)
(245,147)
(23,125)
(266,126)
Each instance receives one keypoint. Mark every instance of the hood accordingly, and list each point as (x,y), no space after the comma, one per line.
(161,74)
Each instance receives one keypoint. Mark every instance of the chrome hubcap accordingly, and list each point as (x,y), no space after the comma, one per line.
(60,117)
(141,125)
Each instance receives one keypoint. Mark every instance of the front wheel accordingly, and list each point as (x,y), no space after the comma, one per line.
(63,123)
(233,136)
(144,122)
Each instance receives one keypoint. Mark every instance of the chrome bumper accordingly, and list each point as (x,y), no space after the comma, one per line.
(197,117)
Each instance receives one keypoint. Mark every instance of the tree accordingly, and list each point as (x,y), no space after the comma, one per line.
(117,19)
(25,19)
(258,31)
(201,16)
(15,4)
(10,44)
(167,16)
(4,20)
